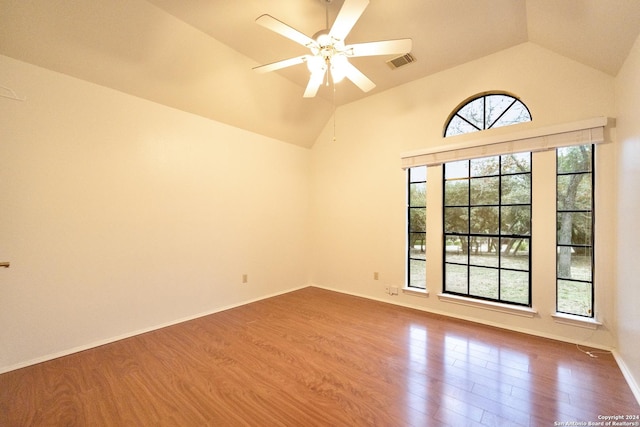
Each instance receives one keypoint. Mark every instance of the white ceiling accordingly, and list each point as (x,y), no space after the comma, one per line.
(197,55)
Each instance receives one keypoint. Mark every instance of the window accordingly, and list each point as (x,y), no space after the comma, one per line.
(574,222)
(486,236)
(416,227)
(487,228)
(486,111)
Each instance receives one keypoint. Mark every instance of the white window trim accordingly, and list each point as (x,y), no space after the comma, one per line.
(590,131)
(572,320)
(418,292)
(516,310)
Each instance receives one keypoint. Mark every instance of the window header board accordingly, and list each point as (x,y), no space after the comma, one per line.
(591,131)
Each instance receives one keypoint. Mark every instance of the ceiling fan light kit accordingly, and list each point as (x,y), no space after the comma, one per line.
(328,49)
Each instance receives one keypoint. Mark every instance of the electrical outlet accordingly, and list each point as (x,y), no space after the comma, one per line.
(375,275)
(387,290)
(245,278)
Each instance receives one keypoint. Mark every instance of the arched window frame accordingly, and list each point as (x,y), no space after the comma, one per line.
(460,115)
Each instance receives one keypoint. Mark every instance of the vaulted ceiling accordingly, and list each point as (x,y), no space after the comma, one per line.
(197,55)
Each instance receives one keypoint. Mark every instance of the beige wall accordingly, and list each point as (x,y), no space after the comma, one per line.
(359,187)
(119,215)
(628,207)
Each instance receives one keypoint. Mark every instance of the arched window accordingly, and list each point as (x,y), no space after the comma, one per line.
(486,111)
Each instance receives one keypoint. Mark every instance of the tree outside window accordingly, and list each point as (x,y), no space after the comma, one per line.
(486,111)
(574,264)
(416,228)
(487,228)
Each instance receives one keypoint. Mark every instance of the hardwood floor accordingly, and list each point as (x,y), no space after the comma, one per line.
(320,358)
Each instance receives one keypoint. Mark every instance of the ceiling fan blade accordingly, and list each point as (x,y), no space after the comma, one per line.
(285,30)
(359,79)
(386,47)
(315,81)
(281,64)
(347,17)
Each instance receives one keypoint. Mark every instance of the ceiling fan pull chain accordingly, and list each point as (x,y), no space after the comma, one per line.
(334,112)
(328,72)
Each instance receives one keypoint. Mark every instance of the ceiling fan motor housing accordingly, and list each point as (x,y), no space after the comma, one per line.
(328,49)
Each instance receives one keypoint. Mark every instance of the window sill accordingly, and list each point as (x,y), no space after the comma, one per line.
(489,305)
(415,292)
(582,322)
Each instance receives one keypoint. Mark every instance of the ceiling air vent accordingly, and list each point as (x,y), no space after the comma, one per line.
(401,61)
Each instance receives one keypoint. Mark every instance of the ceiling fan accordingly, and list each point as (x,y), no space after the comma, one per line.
(329,51)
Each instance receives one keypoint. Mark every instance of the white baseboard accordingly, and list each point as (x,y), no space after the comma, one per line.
(623,367)
(471,319)
(67,352)
(633,384)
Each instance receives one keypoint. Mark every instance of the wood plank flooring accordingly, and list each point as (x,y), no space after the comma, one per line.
(318,358)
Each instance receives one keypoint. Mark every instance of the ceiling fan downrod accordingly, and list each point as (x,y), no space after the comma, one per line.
(328,51)
(326,12)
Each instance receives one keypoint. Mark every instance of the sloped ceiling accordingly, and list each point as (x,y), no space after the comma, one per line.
(197,55)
